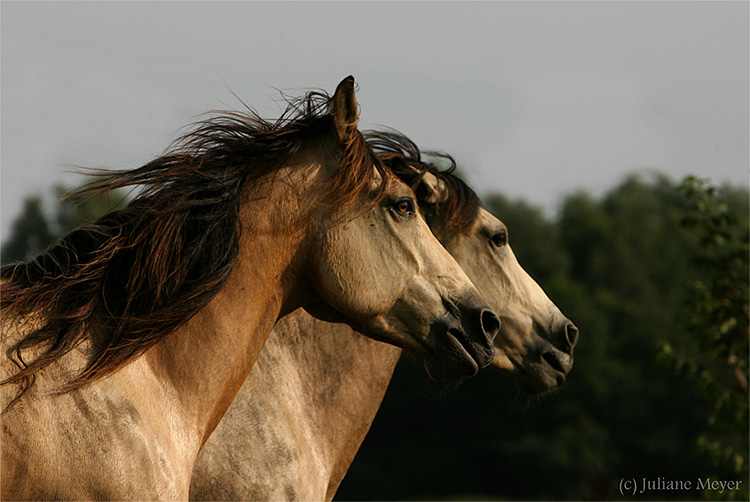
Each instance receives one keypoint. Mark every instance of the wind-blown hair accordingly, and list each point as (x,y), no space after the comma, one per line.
(138,273)
(458,208)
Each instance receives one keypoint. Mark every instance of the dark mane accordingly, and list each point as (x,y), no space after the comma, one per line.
(458,209)
(137,274)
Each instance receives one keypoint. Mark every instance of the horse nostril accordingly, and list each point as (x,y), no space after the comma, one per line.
(572,334)
(490,323)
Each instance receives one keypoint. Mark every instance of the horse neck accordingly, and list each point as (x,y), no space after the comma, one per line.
(310,400)
(205,362)
(334,380)
(342,388)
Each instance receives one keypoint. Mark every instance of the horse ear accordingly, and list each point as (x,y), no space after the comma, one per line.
(345,110)
(430,189)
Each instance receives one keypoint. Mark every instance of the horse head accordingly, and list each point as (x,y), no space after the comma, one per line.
(376,265)
(535,341)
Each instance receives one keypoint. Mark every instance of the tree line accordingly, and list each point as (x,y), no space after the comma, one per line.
(655,276)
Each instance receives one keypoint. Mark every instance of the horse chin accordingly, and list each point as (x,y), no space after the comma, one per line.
(531,377)
(442,369)
(536,378)
(536,367)
(452,355)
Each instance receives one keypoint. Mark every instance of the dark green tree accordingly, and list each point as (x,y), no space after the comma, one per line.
(618,267)
(714,354)
(30,232)
(34,230)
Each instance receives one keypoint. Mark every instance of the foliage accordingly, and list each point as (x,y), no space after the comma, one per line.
(33,230)
(717,327)
(619,267)
(30,232)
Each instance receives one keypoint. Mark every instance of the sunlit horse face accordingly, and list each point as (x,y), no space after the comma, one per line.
(535,342)
(382,268)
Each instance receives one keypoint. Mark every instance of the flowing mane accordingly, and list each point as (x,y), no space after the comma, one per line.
(137,274)
(459,206)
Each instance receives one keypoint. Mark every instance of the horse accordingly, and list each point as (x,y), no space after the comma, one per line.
(127,340)
(303,412)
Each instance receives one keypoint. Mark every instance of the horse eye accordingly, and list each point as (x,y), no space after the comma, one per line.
(500,239)
(404,207)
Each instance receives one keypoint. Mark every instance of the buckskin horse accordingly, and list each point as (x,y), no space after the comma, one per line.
(303,412)
(125,343)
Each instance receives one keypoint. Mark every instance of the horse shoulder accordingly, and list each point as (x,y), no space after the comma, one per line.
(85,435)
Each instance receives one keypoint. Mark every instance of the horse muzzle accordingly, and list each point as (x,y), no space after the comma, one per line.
(548,365)
(461,343)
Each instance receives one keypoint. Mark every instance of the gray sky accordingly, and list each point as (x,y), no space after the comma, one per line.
(533,99)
